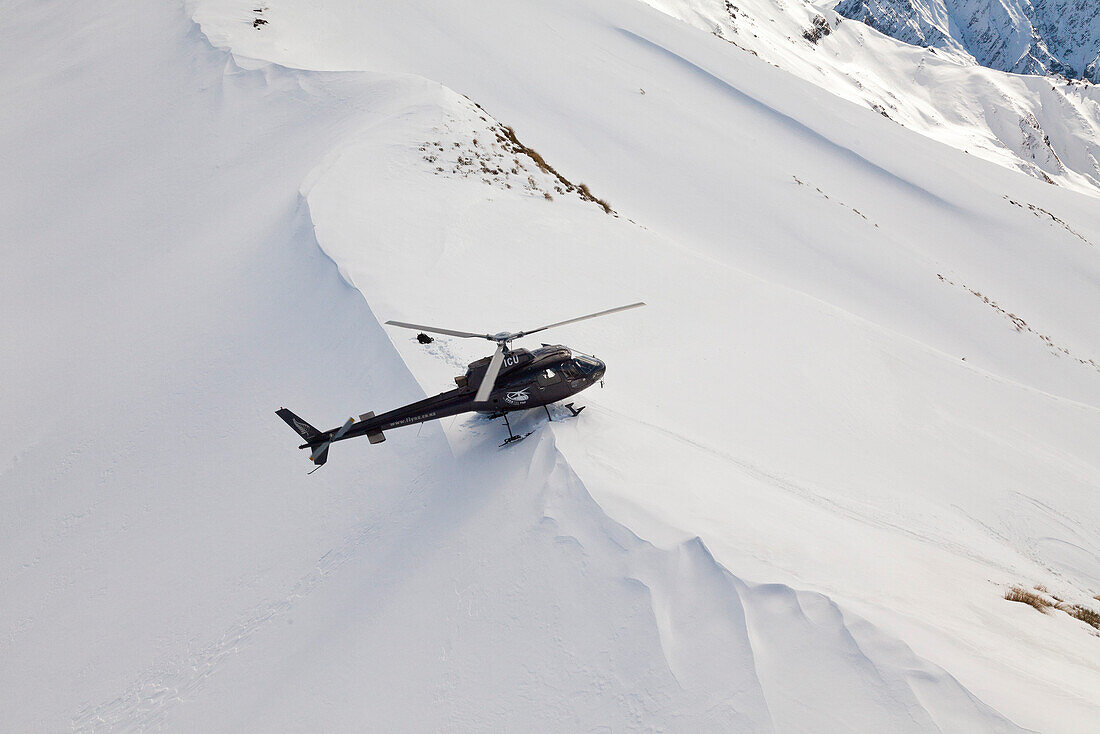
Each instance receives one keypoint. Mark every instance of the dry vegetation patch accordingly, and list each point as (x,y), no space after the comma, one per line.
(1083,613)
(1026,596)
(1021,325)
(492,152)
(1040,598)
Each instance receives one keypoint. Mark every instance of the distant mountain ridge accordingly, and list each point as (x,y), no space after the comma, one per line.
(1020,36)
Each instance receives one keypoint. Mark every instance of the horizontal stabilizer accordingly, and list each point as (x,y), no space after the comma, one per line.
(374,436)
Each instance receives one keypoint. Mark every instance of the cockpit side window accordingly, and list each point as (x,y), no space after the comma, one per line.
(548,377)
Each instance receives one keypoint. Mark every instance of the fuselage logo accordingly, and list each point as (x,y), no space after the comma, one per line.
(519,397)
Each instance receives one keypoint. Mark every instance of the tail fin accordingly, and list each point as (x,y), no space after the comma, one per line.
(320,455)
(303,429)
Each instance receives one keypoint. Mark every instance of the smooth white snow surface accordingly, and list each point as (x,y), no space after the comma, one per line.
(795,507)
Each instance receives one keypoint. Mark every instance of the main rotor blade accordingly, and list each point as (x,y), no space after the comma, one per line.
(437,330)
(581,318)
(491,373)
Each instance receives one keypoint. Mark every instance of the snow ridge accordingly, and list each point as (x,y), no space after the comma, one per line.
(769,651)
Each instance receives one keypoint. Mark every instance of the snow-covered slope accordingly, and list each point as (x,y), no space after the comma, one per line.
(1048,128)
(794,508)
(1020,36)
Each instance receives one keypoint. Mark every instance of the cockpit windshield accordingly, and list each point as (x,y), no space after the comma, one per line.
(586,366)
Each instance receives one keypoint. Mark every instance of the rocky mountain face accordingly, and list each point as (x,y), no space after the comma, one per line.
(1021,36)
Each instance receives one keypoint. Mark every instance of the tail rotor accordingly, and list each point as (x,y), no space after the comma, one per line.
(315,440)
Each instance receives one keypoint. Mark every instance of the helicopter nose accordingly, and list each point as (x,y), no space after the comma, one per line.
(598,374)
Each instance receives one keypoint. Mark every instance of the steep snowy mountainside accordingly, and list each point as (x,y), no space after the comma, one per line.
(824,448)
(1048,128)
(846,325)
(1019,36)
(918,23)
(716,475)
(712,188)
(166,563)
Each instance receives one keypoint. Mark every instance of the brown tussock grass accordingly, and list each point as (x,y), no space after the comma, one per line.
(1083,613)
(1026,596)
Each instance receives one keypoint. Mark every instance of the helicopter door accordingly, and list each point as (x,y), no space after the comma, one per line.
(548,377)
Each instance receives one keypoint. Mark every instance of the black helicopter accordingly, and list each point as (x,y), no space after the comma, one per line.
(510,380)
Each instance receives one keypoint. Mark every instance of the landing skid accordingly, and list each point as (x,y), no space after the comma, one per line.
(574,412)
(513,438)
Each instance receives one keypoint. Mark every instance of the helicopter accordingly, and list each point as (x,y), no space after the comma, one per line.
(509,380)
